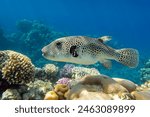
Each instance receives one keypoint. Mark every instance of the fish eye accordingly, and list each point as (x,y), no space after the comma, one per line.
(59,45)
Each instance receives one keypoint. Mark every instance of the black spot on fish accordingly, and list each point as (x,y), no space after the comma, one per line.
(59,45)
(73,51)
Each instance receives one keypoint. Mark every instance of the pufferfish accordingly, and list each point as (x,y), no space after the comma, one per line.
(86,51)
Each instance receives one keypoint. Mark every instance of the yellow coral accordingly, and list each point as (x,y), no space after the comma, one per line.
(60,90)
(58,93)
(51,95)
(18,68)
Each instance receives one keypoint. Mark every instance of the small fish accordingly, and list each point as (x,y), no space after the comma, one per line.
(85,50)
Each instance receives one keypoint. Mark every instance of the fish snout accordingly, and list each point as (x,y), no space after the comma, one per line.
(44,51)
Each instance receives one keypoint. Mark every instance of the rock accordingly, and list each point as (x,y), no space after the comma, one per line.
(129,85)
(11,94)
(141,95)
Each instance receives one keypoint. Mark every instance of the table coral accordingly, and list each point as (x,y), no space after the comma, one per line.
(17,68)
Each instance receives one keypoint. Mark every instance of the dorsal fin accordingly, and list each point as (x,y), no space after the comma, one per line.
(104,39)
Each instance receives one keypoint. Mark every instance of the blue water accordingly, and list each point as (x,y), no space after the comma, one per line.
(127,21)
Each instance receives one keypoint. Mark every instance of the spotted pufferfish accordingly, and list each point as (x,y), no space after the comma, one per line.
(86,51)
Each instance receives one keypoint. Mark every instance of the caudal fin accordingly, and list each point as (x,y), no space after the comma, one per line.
(128,57)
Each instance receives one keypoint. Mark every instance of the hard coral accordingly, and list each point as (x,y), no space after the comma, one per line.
(57,93)
(51,95)
(100,84)
(60,90)
(17,68)
(51,70)
(47,73)
(66,71)
(36,90)
(79,72)
(64,81)
(11,94)
(145,72)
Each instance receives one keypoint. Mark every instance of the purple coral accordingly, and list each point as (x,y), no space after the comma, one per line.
(64,81)
(66,70)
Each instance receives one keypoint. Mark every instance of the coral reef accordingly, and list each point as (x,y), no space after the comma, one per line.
(48,73)
(24,25)
(16,68)
(102,87)
(58,93)
(141,95)
(65,81)
(11,94)
(79,72)
(129,85)
(30,38)
(51,95)
(66,71)
(32,91)
(145,72)
(36,90)
(51,70)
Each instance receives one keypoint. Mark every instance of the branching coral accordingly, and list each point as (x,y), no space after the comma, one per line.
(17,68)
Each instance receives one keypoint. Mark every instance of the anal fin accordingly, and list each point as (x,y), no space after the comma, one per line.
(106,63)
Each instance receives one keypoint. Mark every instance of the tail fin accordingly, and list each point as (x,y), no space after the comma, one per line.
(128,57)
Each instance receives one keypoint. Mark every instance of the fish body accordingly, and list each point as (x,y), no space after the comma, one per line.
(85,50)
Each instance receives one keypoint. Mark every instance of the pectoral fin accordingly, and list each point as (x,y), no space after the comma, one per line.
(106,63)
(104,39)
